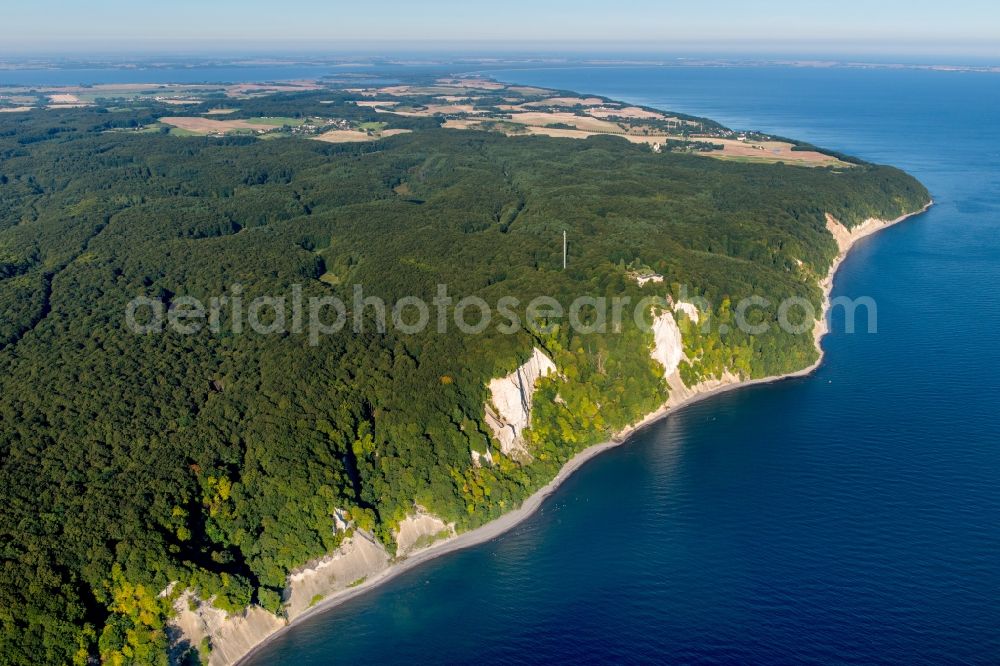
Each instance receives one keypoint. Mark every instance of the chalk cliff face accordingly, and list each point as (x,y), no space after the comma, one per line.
(357,558)
(687,308)
(508,413)
(847,237)
(420,530)
(232,636)
(480,459)
(668,349)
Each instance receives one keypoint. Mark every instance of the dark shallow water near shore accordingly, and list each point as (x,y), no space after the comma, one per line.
(851,516)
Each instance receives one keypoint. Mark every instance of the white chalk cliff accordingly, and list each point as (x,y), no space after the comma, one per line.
(668,348)
(232,636)
(668,351)
(508,413)
(480,459)
(847,237)
(687,308)
(357,558)
(420,530)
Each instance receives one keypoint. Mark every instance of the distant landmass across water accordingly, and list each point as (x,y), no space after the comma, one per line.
(28,71)
(849,516)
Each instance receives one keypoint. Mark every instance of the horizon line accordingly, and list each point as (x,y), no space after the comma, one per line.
(909,47)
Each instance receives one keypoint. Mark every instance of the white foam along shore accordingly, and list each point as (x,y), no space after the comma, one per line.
(845,238)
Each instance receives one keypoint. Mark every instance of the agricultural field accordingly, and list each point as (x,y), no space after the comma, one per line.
(549,118)
(204,126)
(478,104)
(346,113)
(351,136)
(277,122)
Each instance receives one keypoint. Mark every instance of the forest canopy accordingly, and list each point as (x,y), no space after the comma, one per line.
(217,459)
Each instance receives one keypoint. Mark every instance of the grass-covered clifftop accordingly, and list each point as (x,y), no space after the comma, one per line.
(218,458)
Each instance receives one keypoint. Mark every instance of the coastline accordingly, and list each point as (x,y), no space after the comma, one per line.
(495,528)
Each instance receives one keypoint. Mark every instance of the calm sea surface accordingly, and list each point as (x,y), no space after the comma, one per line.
(852,516)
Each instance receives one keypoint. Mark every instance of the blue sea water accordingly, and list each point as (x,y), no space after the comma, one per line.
(850,517)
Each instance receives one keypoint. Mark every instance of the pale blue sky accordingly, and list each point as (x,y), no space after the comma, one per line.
(959,26)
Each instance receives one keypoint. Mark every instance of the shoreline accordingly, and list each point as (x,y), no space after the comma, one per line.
(532,503)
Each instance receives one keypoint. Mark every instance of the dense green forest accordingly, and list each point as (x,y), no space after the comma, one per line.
(216,459)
